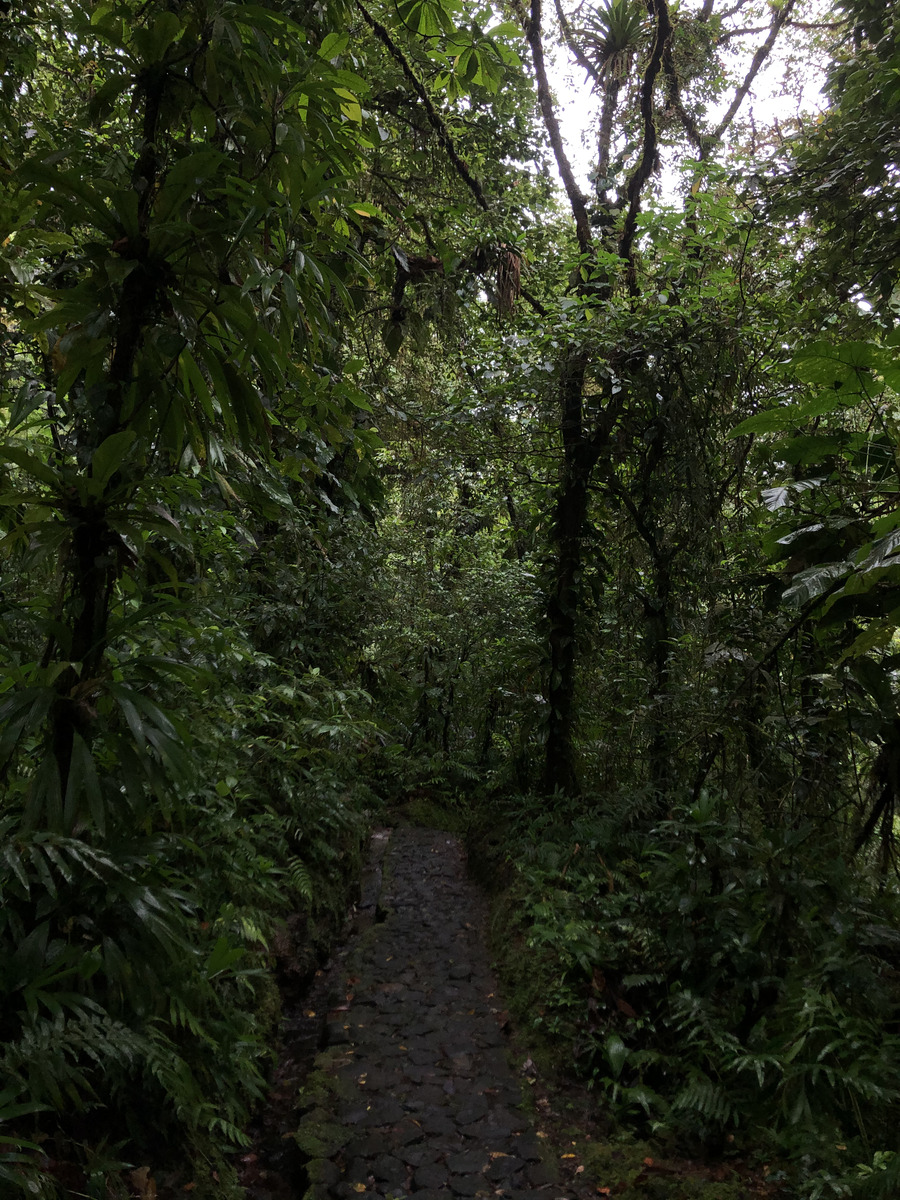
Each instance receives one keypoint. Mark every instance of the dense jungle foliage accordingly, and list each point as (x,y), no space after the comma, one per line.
(355,447)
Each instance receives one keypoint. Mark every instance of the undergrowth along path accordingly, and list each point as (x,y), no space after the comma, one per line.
(414,1095)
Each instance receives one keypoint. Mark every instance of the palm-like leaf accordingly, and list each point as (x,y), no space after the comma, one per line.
(612,33)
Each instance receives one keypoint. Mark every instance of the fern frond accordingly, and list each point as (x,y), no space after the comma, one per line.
(301,880)
(701,1095)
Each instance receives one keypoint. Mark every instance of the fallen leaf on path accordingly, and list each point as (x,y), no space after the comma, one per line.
(143,1182)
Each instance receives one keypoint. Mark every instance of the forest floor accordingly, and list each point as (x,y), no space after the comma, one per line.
(414,1093)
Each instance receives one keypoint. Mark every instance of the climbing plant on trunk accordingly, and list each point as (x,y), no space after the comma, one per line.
(176,257)
(202,254)
(605,374)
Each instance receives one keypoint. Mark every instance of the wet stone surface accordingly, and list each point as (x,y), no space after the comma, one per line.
(415,1096)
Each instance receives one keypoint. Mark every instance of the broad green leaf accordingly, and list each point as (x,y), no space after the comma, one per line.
(28,400)
(616,1053)
(334,45)
(184,179)
(31,465)
(815,582)
(222,956)
(778,497)
(64,187)
(771,420)
(110,455)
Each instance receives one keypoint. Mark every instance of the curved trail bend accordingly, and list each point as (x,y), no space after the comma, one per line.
(414,1095)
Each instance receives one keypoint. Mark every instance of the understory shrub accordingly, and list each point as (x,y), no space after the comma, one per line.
(722,983)
(137,1007)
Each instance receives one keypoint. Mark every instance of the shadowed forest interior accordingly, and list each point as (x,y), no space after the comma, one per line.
(359,458)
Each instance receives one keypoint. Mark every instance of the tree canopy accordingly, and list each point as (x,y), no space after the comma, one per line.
(353,450)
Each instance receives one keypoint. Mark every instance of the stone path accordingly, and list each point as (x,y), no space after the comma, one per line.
(414,1095)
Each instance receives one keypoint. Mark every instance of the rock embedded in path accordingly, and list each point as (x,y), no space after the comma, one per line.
(416,1071)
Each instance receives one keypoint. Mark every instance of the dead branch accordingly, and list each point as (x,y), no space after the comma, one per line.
(779,17)
(577,53)
(548,112)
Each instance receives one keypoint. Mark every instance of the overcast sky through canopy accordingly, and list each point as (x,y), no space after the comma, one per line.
(789,85)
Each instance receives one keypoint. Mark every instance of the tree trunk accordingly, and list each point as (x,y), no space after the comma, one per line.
(657,610)
(95,562)
(564,599)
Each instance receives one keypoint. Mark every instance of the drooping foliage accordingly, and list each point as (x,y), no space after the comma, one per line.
(345,457)
(177,262)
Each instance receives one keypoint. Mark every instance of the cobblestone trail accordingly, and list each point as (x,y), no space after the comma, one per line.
(414,1095)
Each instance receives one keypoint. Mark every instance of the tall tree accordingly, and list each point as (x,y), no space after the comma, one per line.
(602,378)
(179,217)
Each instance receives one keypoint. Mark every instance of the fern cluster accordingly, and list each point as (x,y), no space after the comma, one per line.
(728,986)
(136,1000)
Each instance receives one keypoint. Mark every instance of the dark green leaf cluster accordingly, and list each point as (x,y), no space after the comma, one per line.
(720,982)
